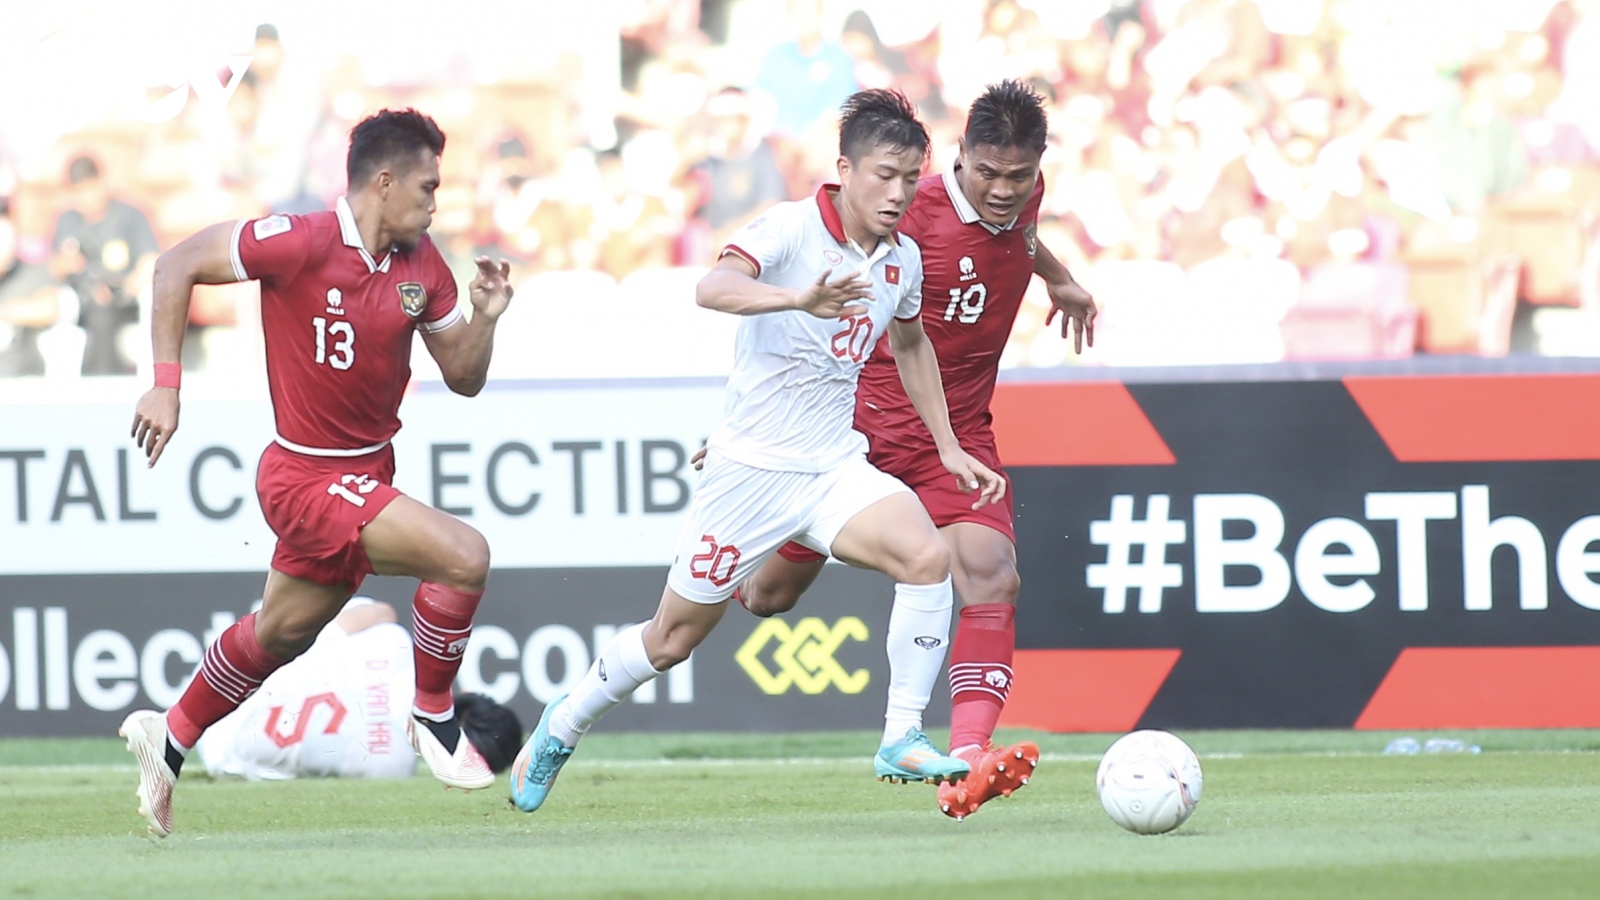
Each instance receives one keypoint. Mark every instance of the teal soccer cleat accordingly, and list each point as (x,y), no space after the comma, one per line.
(914,758)
(536,767)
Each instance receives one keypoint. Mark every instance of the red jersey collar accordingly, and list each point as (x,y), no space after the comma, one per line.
(830,216)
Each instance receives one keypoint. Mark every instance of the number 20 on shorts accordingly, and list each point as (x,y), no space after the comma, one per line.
(716,563)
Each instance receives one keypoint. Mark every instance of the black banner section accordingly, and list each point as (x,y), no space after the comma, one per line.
(77,652)
(1284,570)
(1291,558)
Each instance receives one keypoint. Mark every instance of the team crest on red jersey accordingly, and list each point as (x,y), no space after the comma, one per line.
(413,299)
(1030,236)
(891,274)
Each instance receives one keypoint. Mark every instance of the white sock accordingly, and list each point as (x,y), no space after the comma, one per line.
(919,632)
(618,670)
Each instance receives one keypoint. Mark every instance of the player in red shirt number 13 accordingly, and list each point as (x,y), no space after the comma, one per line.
(342,293)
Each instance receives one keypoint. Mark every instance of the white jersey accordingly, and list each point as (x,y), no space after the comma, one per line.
(339,709)
(791,398)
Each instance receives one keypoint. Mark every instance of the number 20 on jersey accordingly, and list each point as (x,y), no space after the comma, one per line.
(850,342)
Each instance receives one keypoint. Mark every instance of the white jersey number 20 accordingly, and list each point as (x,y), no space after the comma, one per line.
(343,338)
(966,305)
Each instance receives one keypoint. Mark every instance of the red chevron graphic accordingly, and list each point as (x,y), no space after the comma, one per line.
(1090,423)
(1488,687)
(1462,418)
(1084,690)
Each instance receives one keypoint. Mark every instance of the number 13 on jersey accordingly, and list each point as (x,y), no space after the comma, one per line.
(342,337)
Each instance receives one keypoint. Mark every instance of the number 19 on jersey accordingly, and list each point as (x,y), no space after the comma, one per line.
(967,305)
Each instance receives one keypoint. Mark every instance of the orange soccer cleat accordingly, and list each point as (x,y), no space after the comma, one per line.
(996,772)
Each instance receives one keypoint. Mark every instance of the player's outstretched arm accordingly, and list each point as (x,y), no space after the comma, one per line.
(1067,297)
(731,287)
(203,258)
(464,349)
(919,373)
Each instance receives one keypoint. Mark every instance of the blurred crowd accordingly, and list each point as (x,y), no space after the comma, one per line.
(1437,164)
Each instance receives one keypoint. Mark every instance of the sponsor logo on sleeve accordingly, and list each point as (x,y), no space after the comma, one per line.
(271,225)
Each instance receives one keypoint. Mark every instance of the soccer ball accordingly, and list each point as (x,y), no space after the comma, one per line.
(1149,782)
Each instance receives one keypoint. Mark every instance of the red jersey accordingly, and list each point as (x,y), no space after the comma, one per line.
(974,278)
(338,325)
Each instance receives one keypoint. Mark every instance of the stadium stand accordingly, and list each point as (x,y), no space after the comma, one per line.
(1200,151)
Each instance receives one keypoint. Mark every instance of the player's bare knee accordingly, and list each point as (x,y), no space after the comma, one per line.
(759,605)
(467,568)
(999,584)
(928,563)
(286,639)
(672,646)
(767,601)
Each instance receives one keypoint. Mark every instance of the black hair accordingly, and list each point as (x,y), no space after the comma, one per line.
(391,136)
(1009,114)
(82,169)
(493,729)
(879,118)
(266,32)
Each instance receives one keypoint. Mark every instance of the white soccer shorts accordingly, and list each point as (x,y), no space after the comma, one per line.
(741,515)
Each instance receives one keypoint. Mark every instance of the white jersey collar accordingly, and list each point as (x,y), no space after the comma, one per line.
(965,211)
(352,236)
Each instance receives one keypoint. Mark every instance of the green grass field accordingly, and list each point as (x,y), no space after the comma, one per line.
(1291,814)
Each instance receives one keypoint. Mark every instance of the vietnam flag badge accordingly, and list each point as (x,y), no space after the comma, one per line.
(891,274)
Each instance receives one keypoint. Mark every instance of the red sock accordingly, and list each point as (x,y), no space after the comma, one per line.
(980,671)
(234,666)
(441,622)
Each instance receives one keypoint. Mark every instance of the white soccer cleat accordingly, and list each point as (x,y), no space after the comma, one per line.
(146,731)
(465,769)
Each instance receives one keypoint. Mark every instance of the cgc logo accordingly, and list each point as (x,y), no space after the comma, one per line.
(803,656)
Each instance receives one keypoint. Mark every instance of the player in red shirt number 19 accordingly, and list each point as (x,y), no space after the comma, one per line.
(342,293)
(977,226)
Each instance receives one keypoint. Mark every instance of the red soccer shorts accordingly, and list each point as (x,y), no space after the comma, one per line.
(317,507)
(936,488)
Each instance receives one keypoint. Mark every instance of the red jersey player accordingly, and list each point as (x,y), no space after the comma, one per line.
(341,294)
(976,225)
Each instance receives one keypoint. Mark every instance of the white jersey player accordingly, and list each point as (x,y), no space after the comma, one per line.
(787,462)
(341,709)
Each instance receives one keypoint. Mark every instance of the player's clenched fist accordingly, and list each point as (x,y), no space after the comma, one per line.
(833,299)
(154,421)
(491,289)
(972,475)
